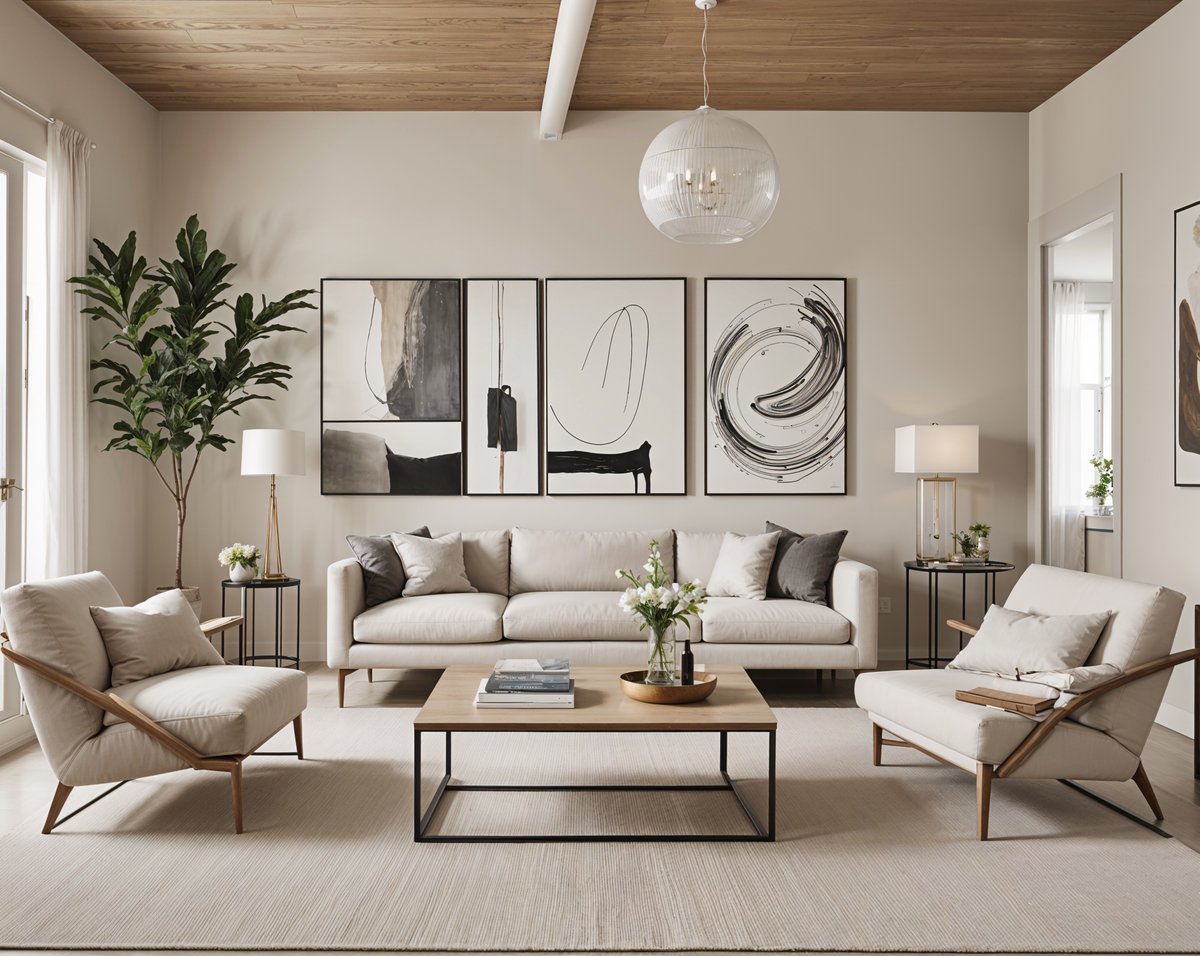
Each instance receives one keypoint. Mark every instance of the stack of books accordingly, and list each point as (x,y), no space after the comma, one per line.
(528,683)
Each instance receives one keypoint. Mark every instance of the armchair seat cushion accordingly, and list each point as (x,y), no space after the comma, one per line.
(459,618)
(729,620)
(569,616)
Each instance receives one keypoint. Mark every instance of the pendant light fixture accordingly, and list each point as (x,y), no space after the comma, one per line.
(708,178)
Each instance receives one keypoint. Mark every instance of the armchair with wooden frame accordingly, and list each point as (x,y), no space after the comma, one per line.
(203,718)
(1097,735)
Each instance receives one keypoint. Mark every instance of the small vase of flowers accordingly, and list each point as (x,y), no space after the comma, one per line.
(662,605)
(242,561)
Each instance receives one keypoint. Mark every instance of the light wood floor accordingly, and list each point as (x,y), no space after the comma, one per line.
(26,782)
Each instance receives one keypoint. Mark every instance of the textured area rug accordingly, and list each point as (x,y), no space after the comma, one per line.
(868,859)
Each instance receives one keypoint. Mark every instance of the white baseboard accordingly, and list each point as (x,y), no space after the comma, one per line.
(1176,719)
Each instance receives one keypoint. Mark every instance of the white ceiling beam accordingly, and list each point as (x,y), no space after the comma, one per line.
(570,37)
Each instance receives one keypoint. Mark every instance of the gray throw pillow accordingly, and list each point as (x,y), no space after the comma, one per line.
(803,565)
(155,637)
(382,570)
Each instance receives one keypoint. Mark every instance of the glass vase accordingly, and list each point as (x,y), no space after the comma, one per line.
(660,655)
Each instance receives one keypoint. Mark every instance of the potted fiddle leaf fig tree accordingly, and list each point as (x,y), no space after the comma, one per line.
(173,380)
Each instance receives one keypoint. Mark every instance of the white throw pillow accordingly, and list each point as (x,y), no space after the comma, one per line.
(155,637)
(743,564)
(432,565)
(1011,643)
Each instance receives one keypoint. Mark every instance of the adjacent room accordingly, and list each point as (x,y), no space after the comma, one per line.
(718,475)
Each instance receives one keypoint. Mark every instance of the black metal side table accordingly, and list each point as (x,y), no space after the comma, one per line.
(934,570)
(247,629)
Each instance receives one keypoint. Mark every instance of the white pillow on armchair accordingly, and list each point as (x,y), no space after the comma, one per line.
(1012,643)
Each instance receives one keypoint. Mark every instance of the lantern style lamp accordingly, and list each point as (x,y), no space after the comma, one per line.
(944,450)
(272,451)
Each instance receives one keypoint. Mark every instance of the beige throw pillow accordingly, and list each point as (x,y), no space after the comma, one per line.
(432,565)
(1011,643)
(155,637)
(743,564)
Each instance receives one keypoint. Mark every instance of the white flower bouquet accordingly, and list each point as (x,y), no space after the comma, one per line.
(241,559)
(661,604)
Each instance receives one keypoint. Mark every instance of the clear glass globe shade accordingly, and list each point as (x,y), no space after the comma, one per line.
(709,178)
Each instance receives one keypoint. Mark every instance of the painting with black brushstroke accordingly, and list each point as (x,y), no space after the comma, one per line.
(502,395)
(616,421)
(775,386)
(1187,345)
(391,387)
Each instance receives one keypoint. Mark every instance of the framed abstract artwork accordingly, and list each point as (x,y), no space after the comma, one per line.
(391,387)
(775,386)
(1187,345)
(616,412)
(502,395)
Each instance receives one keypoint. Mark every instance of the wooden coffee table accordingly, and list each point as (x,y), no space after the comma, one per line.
(600,707)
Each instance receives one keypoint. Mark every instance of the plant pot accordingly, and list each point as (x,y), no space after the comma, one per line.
(241,573)
(192,596)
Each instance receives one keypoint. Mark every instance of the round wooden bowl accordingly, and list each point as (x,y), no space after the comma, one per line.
(635,686)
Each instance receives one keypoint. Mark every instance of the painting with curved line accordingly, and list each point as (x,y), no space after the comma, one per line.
(775,386)
(615,352)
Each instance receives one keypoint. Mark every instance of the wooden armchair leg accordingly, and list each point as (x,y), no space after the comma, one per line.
(235,779)
(1143,782)
(876,745)
(56,805)
(298,729)
(983,798)
(343,673)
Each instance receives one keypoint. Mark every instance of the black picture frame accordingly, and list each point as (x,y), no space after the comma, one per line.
(324,421)
(777,489)
(684,379)
(540,383)
(1177,304)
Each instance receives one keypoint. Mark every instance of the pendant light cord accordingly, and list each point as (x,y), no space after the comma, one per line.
(704,54)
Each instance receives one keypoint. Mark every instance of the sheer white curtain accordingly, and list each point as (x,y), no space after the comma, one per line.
(1065,497)
(61,479)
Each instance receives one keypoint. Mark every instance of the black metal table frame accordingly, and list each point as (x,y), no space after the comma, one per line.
(247,630)
(762,833)
(933,599)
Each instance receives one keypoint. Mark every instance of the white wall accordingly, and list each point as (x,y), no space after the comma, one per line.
(1135,115)
(39,65)
(924,213)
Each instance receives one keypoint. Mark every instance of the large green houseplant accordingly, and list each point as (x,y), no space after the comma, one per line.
(172,381)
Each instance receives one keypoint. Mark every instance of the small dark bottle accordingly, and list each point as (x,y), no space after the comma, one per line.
(687,665)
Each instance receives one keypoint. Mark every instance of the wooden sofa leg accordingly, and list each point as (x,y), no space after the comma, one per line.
(983,798)
(370,675)
(56,805)
(298,730)
(235,780)
(876,745)
(343,673)
(1143,782)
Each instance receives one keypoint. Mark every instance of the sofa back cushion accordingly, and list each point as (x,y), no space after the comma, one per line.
(485,554)
(51,621)
(696,554)
(582,560)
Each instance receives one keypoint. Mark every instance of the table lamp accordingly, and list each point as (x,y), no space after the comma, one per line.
(272,451)
(921,449)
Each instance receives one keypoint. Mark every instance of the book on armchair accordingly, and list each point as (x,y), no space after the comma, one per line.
(1025,704)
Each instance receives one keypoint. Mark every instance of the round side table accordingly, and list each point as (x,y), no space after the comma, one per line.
(248,592)
(934,571)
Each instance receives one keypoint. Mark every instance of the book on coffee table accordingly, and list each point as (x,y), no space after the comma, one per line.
(521,675)
(534,698)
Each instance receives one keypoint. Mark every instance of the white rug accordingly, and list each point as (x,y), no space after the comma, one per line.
(868,859)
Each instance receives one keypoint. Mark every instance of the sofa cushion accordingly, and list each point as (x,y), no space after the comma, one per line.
(582,560)
(433,565)
(382,570)
(569,616)
(803,564)
(485,554)
(773,621)
(743,566)
(155,637)
(433,619)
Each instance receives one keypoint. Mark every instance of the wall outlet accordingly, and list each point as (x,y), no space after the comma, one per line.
(885,605)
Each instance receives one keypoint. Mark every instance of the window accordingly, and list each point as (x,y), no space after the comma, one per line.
(1095,392)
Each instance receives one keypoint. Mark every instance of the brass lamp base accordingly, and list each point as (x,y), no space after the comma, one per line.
(273,548)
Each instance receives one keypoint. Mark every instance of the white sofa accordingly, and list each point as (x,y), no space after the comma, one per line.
(554,593)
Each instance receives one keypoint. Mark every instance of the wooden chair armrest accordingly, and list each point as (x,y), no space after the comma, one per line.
(1039,734)
(969,629)
(111,704)
(219,624)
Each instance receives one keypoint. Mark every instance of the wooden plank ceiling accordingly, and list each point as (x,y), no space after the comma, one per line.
(641,54)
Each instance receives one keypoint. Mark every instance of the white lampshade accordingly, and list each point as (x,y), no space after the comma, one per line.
(272,451)
(937,449)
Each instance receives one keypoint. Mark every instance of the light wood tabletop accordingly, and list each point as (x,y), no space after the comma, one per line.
(600,705)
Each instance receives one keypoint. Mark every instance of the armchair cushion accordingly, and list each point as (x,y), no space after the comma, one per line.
(155,637)
(1011,643)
